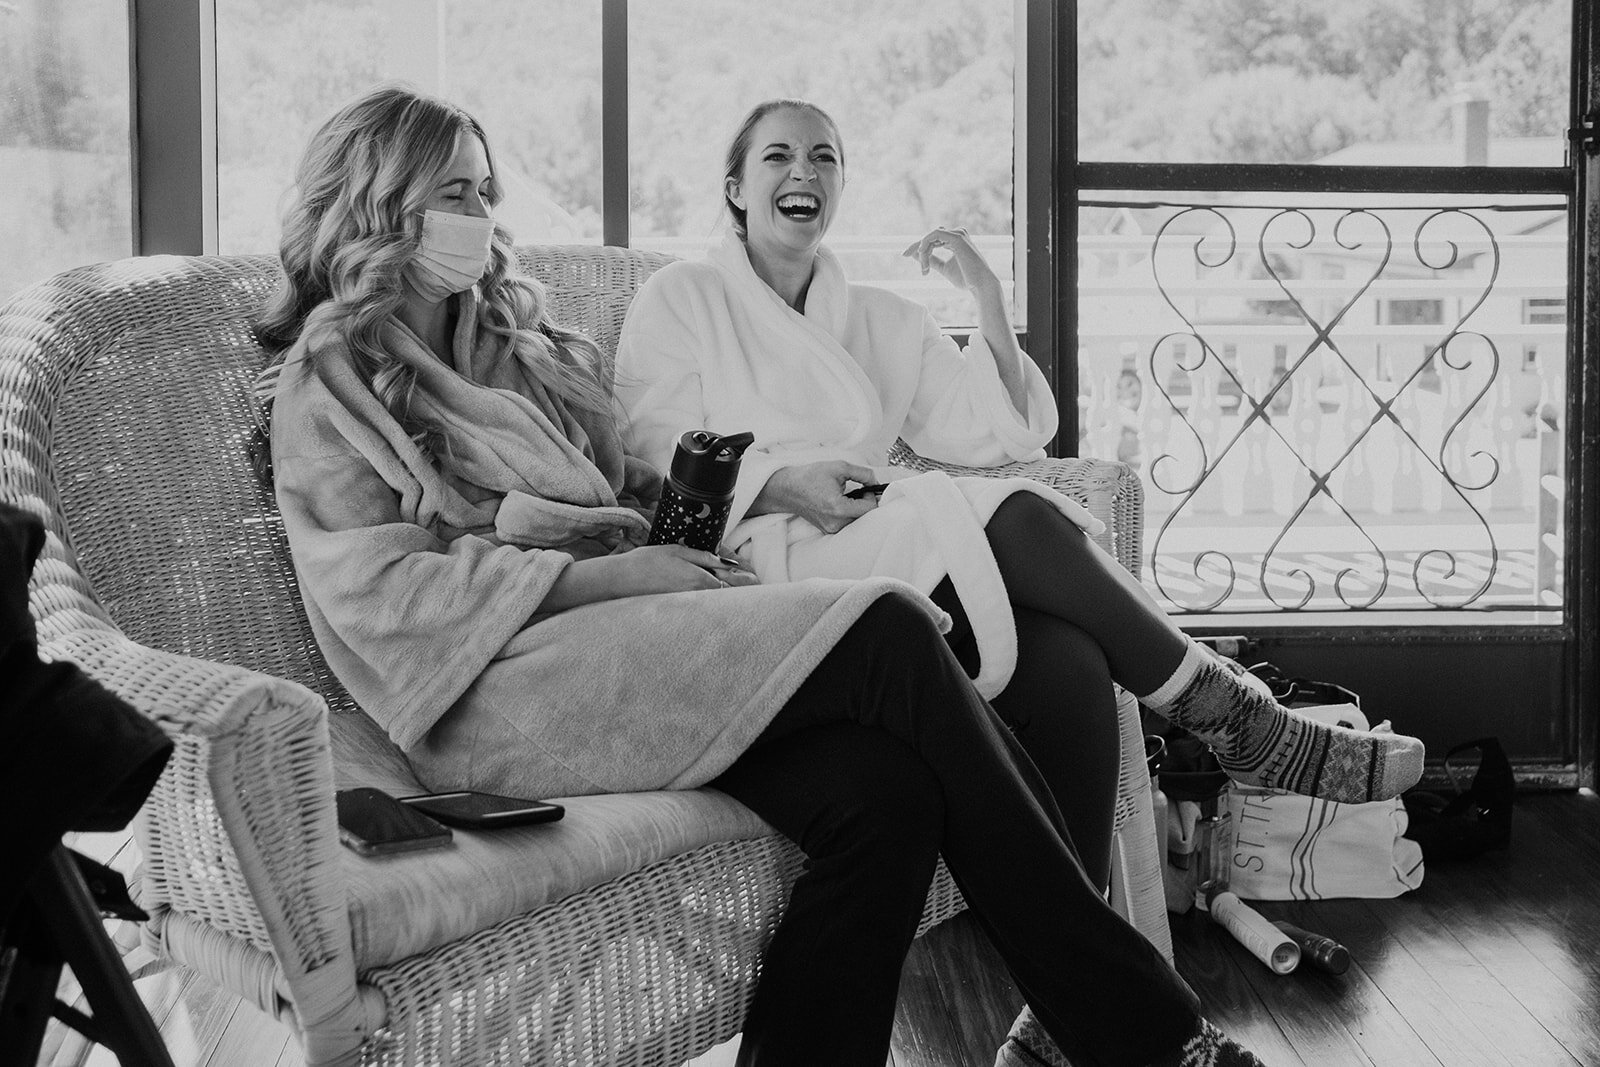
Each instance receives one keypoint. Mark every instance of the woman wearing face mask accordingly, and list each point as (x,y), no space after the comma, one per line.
(464,526)
(767,334)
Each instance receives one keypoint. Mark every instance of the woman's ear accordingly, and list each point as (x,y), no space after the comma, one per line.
(730,188)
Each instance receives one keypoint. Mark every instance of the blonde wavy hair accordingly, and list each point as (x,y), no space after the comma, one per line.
(355,221)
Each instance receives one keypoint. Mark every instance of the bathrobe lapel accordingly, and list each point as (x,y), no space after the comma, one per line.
(502,466)
(810,370)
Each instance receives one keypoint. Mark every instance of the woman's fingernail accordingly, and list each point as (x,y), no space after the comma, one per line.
(729,560)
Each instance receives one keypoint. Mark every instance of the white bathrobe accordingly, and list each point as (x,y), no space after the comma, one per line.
(709,344)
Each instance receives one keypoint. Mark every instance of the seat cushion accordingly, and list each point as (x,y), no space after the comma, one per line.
(410,902)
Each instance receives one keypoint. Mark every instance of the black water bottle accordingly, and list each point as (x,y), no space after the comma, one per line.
(697,493)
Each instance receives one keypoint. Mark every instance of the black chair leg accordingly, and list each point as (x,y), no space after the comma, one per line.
(58,924)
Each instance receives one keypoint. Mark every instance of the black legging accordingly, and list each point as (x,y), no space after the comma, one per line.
(1074,605)
(1052,567)
(824,774)
(1059,703)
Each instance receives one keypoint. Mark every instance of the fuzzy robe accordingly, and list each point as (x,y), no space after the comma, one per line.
(423,579)
(709,344)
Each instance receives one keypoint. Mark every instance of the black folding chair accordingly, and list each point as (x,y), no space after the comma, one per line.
(58,923)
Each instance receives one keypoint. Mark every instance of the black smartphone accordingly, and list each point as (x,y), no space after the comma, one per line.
(483,811)
(862,491)
(374,823)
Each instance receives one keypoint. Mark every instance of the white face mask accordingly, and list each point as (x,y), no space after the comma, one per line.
(453,254)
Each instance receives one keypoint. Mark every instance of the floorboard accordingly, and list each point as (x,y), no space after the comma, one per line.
(1491,962)
(943,973)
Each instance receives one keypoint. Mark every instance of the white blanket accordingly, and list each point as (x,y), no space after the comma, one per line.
(709,344)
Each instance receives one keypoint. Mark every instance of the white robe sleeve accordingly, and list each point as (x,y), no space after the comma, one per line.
(961,412)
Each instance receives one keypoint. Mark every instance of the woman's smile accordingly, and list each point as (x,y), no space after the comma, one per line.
(802,207)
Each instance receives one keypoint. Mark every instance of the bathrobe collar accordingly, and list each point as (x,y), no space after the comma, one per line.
(490,442)
(815,337)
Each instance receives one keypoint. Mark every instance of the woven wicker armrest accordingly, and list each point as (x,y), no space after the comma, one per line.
(1110,489)
(240,835)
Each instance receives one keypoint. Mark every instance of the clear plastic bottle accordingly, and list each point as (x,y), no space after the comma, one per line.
(1213,850)
(1158,800)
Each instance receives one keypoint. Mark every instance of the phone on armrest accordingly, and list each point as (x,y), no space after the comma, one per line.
(483,811)
(373,823)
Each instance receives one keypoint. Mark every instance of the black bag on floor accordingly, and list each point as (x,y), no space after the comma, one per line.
(1477,819)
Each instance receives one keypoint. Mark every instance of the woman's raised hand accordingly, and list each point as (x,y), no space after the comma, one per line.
(815,492)
(963,266)
(959,260)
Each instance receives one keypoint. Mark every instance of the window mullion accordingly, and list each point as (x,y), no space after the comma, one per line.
(614,210)
(1046,132)
(1583,405)
(175,127)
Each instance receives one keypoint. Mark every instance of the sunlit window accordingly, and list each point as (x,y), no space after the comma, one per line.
(65,161)
(923,94)
(1335,399)
(529,70)
(1372,82)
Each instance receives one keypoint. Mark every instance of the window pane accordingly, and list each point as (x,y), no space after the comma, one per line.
(1379,82)
(923,94)
(64,140)
(1332,407)
(284,65)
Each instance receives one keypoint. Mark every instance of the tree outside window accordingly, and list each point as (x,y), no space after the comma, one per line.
(63,137)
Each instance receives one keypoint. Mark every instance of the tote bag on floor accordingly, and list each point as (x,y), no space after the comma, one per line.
(1290,847)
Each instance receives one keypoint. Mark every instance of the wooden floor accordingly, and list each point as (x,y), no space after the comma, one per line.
(1491,962)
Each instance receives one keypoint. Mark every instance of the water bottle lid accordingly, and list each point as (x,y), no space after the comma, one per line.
(707,462)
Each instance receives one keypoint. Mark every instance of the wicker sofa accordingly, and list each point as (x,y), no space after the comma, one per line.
(628,933)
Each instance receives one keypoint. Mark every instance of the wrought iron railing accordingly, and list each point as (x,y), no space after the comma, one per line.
(1333,408)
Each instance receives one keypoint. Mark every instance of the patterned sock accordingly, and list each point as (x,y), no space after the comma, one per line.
(1210,1047)
(1261,743)
(1027,1045)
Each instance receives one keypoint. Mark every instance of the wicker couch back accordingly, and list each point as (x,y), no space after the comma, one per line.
(179,537)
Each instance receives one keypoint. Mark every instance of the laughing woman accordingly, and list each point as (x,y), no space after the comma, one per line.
(767,334)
